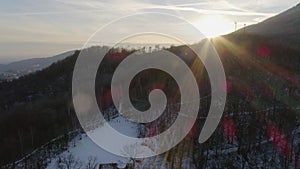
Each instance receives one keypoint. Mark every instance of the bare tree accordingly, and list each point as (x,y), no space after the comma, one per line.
(20,135)
(68,162)
(92,163)
(131,151)
(32,135)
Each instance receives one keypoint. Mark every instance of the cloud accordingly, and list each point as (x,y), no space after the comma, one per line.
(221,7)
(209,12)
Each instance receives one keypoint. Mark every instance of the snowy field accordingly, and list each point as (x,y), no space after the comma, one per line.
(82,147)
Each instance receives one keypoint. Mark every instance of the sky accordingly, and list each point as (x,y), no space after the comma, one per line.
(43,28)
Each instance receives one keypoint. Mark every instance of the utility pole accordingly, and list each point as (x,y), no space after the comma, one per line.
(235,25)
(244,28)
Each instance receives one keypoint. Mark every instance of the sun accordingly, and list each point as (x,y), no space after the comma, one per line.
(214,25)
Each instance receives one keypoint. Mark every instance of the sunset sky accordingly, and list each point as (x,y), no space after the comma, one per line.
(34,28)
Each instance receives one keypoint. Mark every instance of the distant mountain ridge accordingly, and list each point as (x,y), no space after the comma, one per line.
(17,69)
(34,63)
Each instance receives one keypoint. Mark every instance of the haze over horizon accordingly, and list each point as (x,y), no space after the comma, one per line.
(31,29)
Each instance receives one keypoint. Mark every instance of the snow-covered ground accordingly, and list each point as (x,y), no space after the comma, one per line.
(82,147)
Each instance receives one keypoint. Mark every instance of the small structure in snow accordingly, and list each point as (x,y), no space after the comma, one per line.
(113,166)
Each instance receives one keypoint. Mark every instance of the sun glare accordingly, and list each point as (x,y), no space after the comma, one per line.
(212,26)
